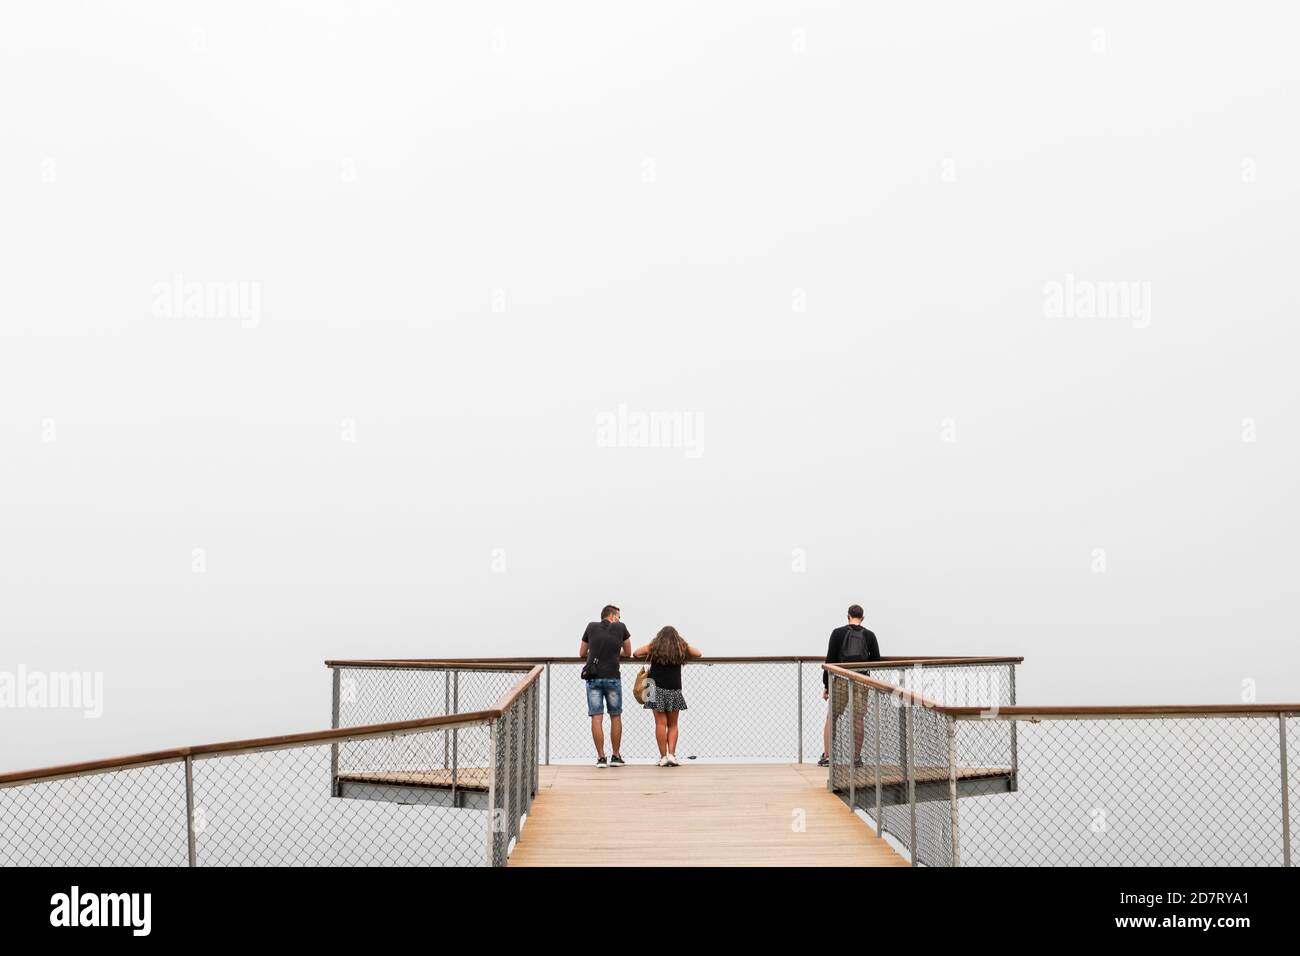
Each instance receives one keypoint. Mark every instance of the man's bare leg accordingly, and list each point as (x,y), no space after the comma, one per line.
(598,733)
(616,734)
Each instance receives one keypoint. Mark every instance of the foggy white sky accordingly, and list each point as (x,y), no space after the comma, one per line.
(819,233)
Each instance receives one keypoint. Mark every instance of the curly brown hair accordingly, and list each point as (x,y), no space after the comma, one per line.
(668,647)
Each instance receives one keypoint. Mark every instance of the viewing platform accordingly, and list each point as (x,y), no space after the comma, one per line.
(490,762)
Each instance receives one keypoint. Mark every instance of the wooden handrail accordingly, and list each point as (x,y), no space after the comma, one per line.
(1082,712)
(1092,712)
(892,689)
(519,663)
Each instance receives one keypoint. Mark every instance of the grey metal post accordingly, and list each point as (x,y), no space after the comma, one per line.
(952,788)
(911,779)
(548,714)
(853,730)
(508,795)
(455,734)
(830,715)
(537,734)
(1015,756)
(334,723)
(880,820)
(799,677)
(525,736)
(189,809)
(446,709)
(455,767)
(1286,794)
(494,733)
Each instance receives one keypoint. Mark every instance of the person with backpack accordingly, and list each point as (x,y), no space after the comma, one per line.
(666,655)
(849,643)
(603,642)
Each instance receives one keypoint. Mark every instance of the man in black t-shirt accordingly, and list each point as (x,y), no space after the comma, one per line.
(603,642)
(852,642)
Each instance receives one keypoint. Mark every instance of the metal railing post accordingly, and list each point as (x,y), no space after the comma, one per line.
(334,724)
(799,677)
(1015,756)
(189,809)
(853,731)
(537,697)
(508,783)
(455,767)
(446,709)
(507,776)
(880,820)
(493,826)
(911,780)
(548,714)
(952,788)
(1286,793)
(455,736)
(525,734)
(830,715)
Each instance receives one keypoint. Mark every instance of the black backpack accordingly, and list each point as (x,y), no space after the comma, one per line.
(854,647)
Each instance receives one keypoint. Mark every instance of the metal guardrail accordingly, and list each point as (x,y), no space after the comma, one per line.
(275,800)
(960,784)
(437,763)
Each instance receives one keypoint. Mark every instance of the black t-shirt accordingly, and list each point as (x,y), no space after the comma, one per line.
(604,639)
(835,650)
(667,676)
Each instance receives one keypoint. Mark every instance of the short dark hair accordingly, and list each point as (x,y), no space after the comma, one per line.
(855,610)
(607,611)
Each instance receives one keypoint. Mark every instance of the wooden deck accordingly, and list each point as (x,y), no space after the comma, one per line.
(694,815)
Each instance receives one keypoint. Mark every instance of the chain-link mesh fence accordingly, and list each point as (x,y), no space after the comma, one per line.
(1133,791)
(1082,789)
(375,794)
(890,759)
(276,808)
(1064,790)
(130,817)
(750,711)
(377,694)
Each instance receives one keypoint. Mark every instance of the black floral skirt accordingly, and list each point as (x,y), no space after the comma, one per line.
(666,700)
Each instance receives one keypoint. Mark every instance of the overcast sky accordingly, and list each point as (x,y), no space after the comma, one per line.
(369,329)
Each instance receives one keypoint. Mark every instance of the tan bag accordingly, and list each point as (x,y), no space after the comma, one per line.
(644,688)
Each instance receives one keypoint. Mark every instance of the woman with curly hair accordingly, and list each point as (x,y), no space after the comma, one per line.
(666,654)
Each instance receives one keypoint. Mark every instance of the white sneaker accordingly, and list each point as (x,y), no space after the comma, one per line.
(663,761)
(672,761)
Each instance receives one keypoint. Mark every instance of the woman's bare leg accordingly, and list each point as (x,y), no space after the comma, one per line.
(661,732)
(672,716)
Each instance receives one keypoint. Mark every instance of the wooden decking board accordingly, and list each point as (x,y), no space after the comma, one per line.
(694,815)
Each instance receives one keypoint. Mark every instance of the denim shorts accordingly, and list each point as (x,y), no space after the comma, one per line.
(605,692)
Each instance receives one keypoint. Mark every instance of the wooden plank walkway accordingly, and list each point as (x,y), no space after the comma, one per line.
(694,815)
